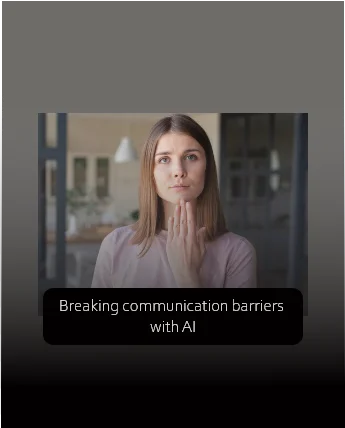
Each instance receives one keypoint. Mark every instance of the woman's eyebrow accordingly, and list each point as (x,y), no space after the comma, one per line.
(169,153)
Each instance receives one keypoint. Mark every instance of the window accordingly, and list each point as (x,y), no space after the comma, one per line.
(102,177)
(80,166)
(53,182)
(51,176)
(251,183)
(90,174)
(260,186)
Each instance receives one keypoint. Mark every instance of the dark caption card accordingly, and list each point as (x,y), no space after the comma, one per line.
(173,316)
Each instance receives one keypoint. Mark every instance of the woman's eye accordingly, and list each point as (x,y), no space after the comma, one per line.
(188,157)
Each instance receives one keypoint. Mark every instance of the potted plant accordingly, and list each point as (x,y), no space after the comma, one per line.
(134,215)
(74,202)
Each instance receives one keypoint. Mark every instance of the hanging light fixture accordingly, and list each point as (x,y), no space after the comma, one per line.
(126,151)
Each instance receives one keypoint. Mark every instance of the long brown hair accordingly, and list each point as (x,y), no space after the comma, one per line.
(151,212)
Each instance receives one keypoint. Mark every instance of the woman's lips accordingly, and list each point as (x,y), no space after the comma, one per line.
(180,188)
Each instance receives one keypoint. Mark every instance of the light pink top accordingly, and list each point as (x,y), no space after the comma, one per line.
(229,261)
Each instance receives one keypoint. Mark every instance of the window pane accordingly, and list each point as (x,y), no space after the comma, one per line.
(239,187)
(102,177)
(50,220)
(235,134)
(260,164)
(261,183)
(80,175)
(50,178)
(53,182)
(259,135)
(236,187)
(235,165)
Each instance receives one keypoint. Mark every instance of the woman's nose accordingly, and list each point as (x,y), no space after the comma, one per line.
(179,172)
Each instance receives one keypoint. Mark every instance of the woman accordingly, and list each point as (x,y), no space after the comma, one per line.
(180,239)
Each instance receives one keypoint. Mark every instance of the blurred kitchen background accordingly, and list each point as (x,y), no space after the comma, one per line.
(89,175)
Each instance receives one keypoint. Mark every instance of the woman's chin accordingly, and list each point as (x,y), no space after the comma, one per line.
(177,200)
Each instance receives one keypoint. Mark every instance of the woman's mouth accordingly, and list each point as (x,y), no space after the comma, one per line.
(180,188)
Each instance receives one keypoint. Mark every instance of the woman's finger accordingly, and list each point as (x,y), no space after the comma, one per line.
(170,229)
(191,221)
(177,220)
(183,219)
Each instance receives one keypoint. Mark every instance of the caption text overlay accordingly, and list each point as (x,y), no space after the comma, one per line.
(172,316)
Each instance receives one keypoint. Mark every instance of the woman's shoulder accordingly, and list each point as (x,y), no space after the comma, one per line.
(118,236)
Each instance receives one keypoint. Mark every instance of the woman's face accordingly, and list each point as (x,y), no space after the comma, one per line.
(179,171)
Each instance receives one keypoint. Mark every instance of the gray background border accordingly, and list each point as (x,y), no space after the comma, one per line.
(150,57)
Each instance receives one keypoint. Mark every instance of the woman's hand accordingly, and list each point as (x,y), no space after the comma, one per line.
(185,246)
